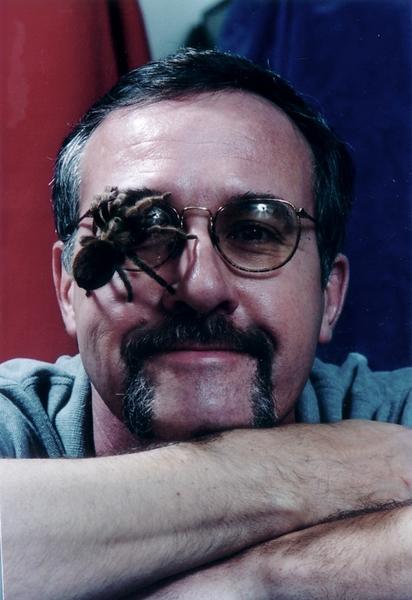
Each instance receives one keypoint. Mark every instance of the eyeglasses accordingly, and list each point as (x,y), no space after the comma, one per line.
(255,235)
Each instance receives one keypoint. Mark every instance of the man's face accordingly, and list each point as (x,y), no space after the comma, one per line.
(204,150)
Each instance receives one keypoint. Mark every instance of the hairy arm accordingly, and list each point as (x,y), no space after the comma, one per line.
(367,556)
(100,528)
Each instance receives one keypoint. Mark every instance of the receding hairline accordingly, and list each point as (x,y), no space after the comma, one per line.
(192,97)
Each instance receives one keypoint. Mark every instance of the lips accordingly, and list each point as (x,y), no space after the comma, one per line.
(191,355)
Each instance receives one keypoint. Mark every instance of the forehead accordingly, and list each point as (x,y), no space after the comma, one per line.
(201,149)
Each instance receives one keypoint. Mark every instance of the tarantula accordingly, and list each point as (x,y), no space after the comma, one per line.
(120,221)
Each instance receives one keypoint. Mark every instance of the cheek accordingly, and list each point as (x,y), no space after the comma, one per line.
(103,318)
(107,307)
(100,332)
(102,321)
(288,306)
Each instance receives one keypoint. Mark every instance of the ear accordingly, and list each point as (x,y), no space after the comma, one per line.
(63,284)
(334,297)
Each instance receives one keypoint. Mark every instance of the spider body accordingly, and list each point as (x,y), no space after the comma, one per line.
(96,263)
(120,223)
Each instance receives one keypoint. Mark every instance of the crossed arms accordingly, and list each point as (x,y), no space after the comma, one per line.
(265,507)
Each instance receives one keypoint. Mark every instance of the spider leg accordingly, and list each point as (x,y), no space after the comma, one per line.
(105,211)
(143,203)
(149,271)
(96,222)
(126,282)
(101,215)
(179,232)
(85,215)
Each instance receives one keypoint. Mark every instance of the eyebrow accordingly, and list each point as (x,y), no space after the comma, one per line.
(249,195)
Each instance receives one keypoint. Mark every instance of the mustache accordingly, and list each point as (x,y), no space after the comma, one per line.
(183,330)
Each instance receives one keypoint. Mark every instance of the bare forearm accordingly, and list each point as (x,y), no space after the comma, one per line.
(368,557)
(97,528)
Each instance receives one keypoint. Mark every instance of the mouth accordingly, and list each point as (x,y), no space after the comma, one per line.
(189,355)
(199,347)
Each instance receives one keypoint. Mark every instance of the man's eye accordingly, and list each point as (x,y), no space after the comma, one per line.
(254,233)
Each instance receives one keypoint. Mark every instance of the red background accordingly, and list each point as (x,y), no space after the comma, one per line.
(58,57)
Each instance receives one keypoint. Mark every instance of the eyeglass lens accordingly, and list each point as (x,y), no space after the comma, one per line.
(254,235)
(156,239)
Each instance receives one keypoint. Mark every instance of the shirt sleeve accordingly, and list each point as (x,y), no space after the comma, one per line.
(18,435)
(353,391)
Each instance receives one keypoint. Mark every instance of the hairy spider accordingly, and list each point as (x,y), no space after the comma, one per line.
(122,221)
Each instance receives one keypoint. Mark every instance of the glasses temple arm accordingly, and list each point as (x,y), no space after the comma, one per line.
(301,212)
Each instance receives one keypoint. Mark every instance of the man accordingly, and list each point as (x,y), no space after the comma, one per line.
(200,207)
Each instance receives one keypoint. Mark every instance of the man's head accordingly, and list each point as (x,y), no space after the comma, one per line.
(209,129)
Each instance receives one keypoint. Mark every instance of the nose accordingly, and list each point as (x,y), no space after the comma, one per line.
(203,283)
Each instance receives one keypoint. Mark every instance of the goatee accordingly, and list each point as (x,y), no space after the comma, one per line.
(184,330)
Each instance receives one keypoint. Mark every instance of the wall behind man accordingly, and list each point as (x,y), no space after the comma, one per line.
(168,22)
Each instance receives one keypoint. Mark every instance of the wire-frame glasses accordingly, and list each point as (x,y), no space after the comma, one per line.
(255,235)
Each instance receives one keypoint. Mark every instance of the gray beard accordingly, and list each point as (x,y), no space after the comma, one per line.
(138,406)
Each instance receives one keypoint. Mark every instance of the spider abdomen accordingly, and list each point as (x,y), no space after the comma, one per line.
(95,263)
